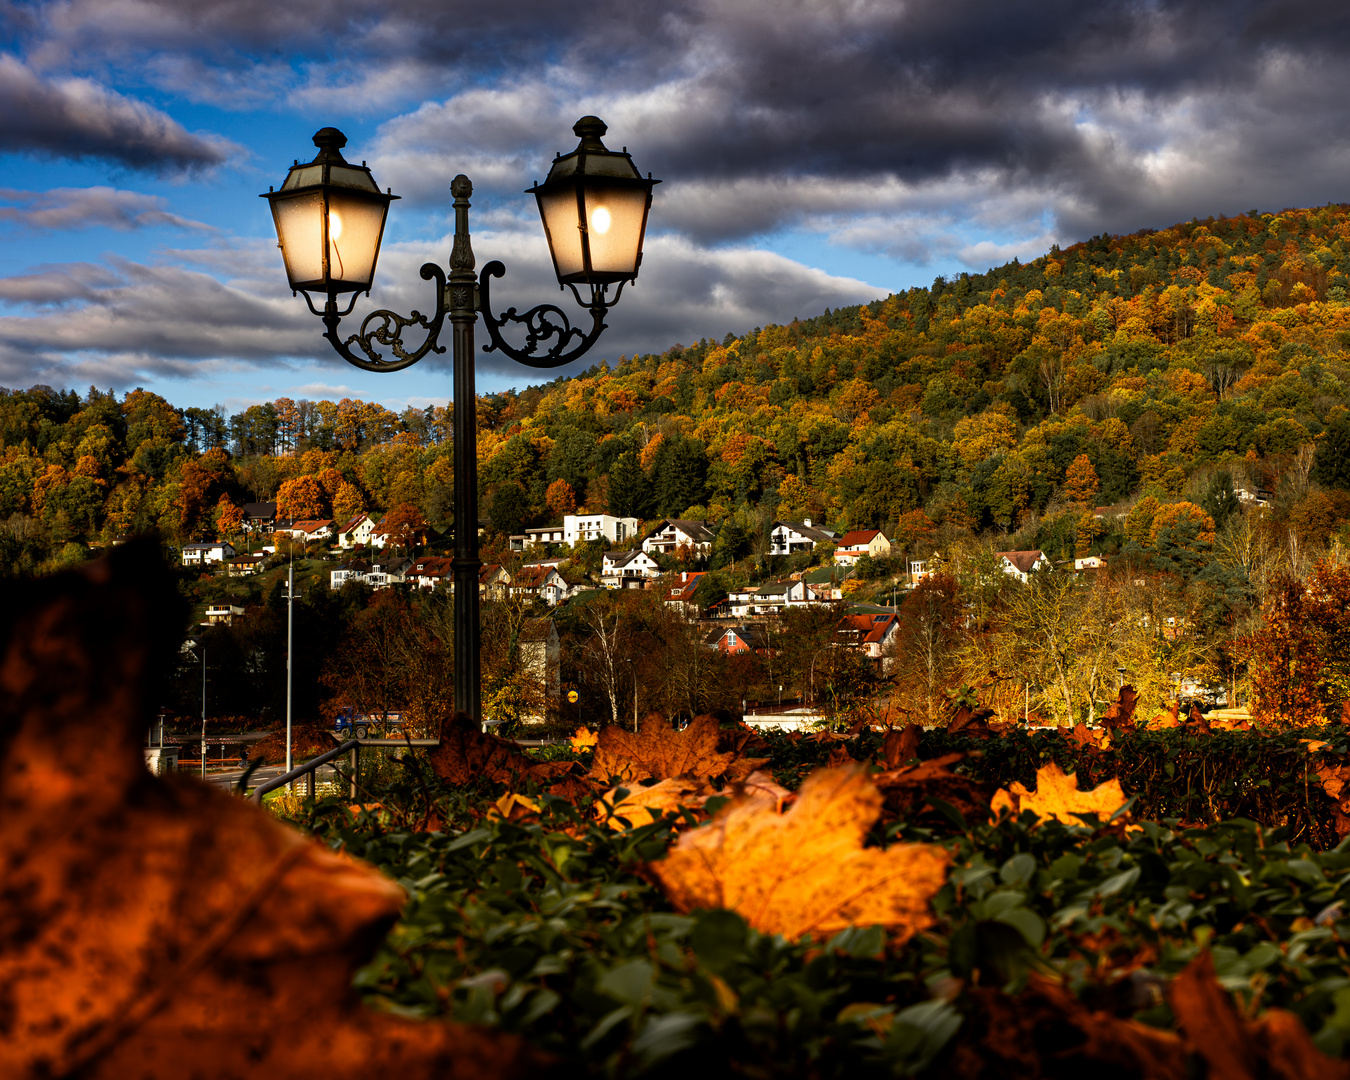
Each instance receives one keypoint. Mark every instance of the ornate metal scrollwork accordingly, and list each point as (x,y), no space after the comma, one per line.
(386,328)
(543,323)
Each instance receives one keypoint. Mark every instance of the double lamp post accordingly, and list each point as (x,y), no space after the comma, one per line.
(330,217)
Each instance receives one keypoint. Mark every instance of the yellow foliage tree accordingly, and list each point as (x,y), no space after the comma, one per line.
(1080,482)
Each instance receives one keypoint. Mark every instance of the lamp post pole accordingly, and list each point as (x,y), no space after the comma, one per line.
(463,314)
(330,217)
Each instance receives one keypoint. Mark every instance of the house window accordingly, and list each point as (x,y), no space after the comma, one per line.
(731,639)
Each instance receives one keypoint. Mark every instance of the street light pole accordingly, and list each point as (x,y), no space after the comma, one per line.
(203,712)
(290,623)
(330,217)
(466,565)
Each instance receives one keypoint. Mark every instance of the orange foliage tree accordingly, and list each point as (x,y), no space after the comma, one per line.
(301,499)
(1080,481)
(560,498)
(407,527)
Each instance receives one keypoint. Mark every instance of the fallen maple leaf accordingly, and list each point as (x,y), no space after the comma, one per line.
(659,752)
(642,805)
(467,756)
(1121,711)
(806,871)
(156,927)
(900,745)
(1057,796)
(514,807)
(907,790)
(584,739)
(760,785)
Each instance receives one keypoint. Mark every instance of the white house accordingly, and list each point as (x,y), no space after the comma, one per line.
(1020,564)
(788,537)
(627,569)
(355,532)
(542,581)
(223,614)
(854,545)
(578,527)
(541,658)
(213,551)
(317,529)
(540,537)
(356,570)
(672,534)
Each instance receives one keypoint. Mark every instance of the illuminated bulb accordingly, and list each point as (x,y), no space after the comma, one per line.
(600,220)
(335,224)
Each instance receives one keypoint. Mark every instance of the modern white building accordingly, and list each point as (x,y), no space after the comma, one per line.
(577,527)
(627,569)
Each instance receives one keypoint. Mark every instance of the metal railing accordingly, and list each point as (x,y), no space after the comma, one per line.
(351,747)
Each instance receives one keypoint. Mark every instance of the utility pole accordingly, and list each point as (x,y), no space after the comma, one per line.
(203,712)
(290,623)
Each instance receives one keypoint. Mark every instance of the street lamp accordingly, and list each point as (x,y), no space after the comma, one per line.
(330,216)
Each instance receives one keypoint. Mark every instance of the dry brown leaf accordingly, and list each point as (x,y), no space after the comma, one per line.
(660,752)
(1057,796)
(584,739)
(157,928)
(1047,1032)
(907,790)
(972,723)
(1277,1045)
(900,745)
(514,807)
(806,871)
(643,805)
(467,756)
(1121,711)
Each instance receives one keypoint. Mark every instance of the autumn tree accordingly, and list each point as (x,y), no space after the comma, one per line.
(229,517)
(925,646)
(1080,482)
(560,499)
(301,499)
(407,527)
(347,502)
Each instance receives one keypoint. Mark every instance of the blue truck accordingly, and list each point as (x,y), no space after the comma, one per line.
(350,725)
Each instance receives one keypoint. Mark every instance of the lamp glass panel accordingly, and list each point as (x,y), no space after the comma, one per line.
(299,223)
(354,229)
(614,216)
(559,210)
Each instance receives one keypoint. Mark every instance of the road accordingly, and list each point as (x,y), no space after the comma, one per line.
(228,778)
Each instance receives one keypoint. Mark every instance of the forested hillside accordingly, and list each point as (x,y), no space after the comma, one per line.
(1114,397)
(1158,356)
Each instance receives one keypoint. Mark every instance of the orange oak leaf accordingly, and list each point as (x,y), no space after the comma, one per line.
(156,927)
(806,871)
(642,805)
(900,744)
(907,790)
(1057,796)
(657,751)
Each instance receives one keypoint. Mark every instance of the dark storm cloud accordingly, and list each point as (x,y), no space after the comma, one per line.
(79,118)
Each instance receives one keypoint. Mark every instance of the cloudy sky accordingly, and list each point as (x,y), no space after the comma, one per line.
(814,153)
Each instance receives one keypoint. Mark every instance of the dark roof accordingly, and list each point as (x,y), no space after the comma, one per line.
(1025,561)
(698,531)
(260,510)
(817,533)
(751,635)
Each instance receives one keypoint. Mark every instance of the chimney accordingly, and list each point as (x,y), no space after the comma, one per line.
(684,575)
(807,523)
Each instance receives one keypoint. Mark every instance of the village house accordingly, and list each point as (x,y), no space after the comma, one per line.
(247,564)
(540,580)
(917,570)
(212,551)
(1021,564)
(259,517)
(741,602)
(493,581)
(873,634)
(355,570)
(789,537)
(671,536)
(734,640)
(854,545)
(579,527)
(541,658)
(223,614)
(627,569)
(431,571)
(774,596)
(355,531)
(540,537)
(681,594)
(317,529)
(827,582)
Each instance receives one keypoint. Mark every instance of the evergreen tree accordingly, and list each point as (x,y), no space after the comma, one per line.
(679,475)
(630,492)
